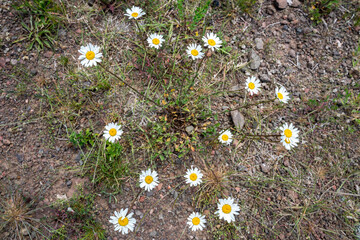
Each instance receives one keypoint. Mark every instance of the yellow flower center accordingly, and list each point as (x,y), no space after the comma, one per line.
(225,137)
(280,96)
(134,14)
(226,208)
(155,41)
(288,133)
(194,52)
(148,179)
(193,176)
(211,42)
(287,140)
(196,221)
(112,132)
(251,85)
(90,55)
(123,221)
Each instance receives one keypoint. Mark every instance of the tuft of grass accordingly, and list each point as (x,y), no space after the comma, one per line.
(41,19)
(246,6)
(216,181)
(200,13)
(78,215)
(321,8)
(17,215)
(107,165)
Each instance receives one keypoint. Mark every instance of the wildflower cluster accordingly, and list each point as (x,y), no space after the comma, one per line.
(123,220)
(227,208)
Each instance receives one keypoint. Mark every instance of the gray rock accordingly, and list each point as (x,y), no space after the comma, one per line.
(281,4)
(20,158)
(137,212)
(255,60)
(78,157)
(259,43)
(189,129)
(292,53)
(238,119)
(153,234)
(264,78)
(69,183)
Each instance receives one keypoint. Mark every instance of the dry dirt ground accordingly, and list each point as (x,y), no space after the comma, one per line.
(311,192)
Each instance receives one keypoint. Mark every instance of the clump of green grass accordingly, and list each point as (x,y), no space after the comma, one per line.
(77,215)
(321,8)
(41,19)
(106,165)
(246,6)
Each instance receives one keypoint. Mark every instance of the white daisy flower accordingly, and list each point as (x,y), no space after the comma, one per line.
(196,221)
(90,55)
(226,137)
(123,222)
(193,176)
(282,94)
(289,136)
(148,180)
(253,85)
(194,51)
(227,209)
(155,40)
(134,12)
(112,132)
(212,41)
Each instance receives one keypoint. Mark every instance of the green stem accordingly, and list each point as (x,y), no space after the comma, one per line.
(182,82)
(143,37)
(133,202)
(196,73)
(128,85)
(248,105)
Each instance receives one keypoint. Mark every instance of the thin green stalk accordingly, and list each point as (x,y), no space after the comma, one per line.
(196,74)
(128,85)
(133,202)
(182,82)
(143,37)
(248,105)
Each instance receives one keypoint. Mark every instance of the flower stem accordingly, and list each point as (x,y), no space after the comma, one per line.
(196,73)
(142,37)
(128,85)
(133,202)
(248,105)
